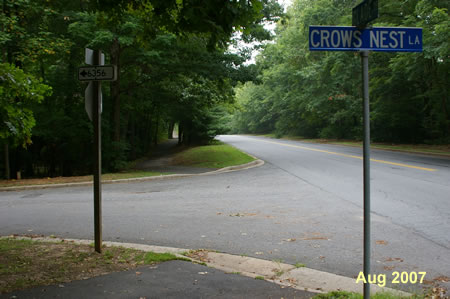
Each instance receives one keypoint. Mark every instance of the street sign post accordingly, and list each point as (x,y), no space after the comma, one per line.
(364,13)
(93,104)
(381,39)
(97,73)
(366,171)
(364,40)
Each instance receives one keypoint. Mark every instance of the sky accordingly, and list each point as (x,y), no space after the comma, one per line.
(285,4)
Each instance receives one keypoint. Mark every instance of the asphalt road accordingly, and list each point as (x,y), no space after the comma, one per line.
(174,279)
(304,205)
(411,190)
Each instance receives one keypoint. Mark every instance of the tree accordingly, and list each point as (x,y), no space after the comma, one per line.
(173,68)
(318,94)
(17,91)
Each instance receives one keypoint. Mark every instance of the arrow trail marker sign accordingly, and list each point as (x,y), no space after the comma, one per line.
(97,73)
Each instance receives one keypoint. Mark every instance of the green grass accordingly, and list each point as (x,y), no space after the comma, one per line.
(299,265)
(259,277)
(201,263)
(212,156)
(279,273)
(8,245)
(216,155)
(129,175)
(152,257)
(348,295)
(338,295)
(27,263)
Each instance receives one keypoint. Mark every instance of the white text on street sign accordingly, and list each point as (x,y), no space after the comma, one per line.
(97,73)
(385,39)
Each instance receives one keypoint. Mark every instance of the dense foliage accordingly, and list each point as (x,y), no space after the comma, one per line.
(318,94)
(174,70)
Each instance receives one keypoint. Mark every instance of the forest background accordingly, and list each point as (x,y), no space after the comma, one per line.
(175,70)
(319,94)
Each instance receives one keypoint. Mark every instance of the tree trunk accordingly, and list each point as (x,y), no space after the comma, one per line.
(170,131)
(17,166)
(155,140)
(7,168)
(180,132)
(133,138)
(115,89)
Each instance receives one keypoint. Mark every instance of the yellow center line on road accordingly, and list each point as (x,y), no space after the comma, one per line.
(348,156)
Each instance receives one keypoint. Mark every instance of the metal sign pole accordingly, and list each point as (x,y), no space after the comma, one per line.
(365,39)
(93,105)
(366,156)
(96,109)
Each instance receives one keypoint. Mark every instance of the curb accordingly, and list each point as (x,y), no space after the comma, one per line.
(287,275)
(256,163)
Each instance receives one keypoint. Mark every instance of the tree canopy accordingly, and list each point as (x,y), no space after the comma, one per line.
(175,70)
(318,94)
(17,91)
(173,67)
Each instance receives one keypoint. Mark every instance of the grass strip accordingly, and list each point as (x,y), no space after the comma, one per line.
(27,263)
(349,295)
(212,156)
(216,155)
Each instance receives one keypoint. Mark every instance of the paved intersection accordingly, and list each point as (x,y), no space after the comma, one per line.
(302,206)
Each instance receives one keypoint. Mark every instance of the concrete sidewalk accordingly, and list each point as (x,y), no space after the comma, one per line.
(224,276)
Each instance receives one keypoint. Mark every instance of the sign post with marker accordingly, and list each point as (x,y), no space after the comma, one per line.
(93,96)
(364,40)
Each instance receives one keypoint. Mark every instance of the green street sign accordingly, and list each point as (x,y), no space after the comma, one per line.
(364,13)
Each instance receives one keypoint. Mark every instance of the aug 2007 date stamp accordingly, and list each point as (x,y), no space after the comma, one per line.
(396,277)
